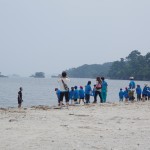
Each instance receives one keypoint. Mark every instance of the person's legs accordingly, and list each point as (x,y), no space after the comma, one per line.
(87,97)
(83,100)
(67,98)
(104,95)
(19,105)
(61,98)
(95,97)
(100,96)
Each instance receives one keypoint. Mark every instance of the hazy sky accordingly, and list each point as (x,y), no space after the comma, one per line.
(54,35)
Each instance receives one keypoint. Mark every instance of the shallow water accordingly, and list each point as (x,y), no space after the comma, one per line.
(41,91)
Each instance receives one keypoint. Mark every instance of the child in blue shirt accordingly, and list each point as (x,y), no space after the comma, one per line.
(58,95)
(121,94)
(71,95)
(76,94)
(88,91)
(81,95)
(138,92)
(145,93)
(126,95)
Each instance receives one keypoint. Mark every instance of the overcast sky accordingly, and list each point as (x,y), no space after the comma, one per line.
(54,35)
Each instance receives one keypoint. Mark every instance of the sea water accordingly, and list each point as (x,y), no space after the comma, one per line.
(38,91)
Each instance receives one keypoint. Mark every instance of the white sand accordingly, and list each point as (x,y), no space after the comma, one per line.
(94,127)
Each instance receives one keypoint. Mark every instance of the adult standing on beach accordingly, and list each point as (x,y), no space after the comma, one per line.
(104,89)
(98,89)
(20,97)
(64,89)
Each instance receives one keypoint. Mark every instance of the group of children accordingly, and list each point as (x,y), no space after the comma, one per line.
(78,94)
(128,93)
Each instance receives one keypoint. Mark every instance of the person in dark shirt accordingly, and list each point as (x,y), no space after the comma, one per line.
(20,98)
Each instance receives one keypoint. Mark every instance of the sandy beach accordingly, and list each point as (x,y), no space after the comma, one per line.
(114,126)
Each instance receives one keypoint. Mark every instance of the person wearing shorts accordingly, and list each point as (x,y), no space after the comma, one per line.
(64,89)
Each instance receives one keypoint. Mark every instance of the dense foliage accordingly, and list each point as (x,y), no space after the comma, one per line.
(134,65)
(90,71)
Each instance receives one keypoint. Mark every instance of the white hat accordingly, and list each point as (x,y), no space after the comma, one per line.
(131,78)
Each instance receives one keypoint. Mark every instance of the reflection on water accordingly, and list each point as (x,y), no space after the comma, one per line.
(41,91)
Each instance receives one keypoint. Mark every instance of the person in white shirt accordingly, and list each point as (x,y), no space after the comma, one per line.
(64,89)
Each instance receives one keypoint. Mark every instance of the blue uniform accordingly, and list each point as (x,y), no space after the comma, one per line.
(88,91)
(138,92)
(132,84)
(81,94)
(93,92)
(148,93)
(121,94)
(126,95)
(71,95)
(58,94)
(104,91)
(145,91)
(76,94)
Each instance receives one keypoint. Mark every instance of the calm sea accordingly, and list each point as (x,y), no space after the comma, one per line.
(41,91)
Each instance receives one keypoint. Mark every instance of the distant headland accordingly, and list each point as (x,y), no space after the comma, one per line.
(3,76)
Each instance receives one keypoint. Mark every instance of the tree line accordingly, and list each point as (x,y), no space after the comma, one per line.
(134,64)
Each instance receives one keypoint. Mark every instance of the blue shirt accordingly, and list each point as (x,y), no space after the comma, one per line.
(104,86)
(126,94)
(71,94)
(132,84)
(93,92)
(145,90)
(138,90)
(58,94)
(121,94)
(81,93)
(76,94)
(88,89)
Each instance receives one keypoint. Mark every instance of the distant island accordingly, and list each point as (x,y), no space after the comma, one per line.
(2,76)
(134,64)
(38,75)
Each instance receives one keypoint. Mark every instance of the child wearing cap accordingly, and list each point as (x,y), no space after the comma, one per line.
(121,94)
(81,95)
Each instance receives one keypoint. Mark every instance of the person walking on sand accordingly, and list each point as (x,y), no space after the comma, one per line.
(64,89)
(20,100)
(104,89)
(98,90)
